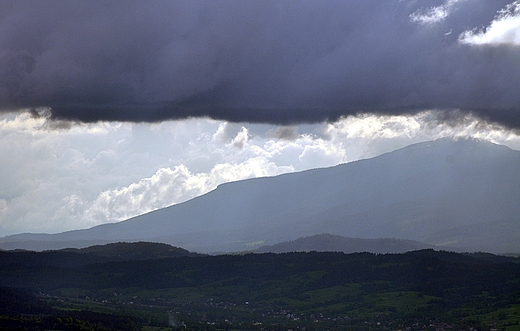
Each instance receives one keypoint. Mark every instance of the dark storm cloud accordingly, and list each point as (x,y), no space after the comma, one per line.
(284,132)
(257,61)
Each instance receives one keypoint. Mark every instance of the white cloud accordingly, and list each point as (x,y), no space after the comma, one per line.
(241,138)
(56,180)
(505,29)
(171,186)
(322,154)
(435,14)
(164,188)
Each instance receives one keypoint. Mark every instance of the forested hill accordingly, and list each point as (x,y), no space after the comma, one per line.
(425,269)
(134,251)
(70,257)
(333,243)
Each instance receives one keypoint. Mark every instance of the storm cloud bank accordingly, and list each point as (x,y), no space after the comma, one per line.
(260,61)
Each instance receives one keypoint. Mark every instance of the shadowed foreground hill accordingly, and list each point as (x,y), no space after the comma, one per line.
(317,290)
(133,251)
(463,193)
(72,257)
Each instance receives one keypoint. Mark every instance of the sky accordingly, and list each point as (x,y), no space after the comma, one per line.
(111,109)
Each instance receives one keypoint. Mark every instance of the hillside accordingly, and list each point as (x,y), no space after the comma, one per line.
(463,193)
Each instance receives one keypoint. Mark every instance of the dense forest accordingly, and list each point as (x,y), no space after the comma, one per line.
(95,290)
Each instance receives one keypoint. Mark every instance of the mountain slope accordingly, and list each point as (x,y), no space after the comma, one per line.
(463,193)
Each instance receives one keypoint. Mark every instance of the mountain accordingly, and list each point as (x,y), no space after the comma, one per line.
(333,243)
(463,193)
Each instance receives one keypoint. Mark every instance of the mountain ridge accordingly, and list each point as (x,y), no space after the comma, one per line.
(461,193)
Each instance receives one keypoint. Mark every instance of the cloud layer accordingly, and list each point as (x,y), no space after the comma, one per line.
(273,61)
(56,179)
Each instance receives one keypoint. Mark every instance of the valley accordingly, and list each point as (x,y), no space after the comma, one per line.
(418,290)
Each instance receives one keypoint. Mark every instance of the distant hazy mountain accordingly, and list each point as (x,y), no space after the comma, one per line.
(463,193)
(333,243)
